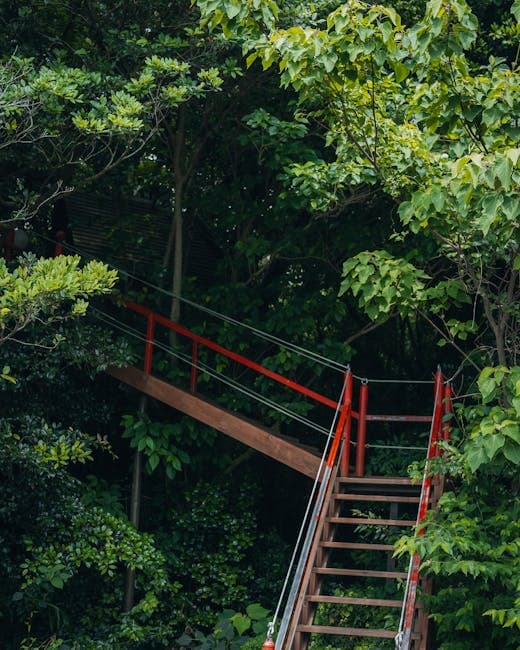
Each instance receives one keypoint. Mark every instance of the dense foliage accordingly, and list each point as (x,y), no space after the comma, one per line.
(357,169)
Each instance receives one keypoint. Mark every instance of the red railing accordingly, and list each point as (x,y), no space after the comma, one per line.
(440,430)
(314,524)
(361,415)
(197,340)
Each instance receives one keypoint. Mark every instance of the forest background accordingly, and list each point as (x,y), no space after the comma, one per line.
(355,167)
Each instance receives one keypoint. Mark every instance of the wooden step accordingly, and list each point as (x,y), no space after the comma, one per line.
(346,631)
(357,546)
(360,573)
(375,480)
(387,498)
(370,522)
(344,600)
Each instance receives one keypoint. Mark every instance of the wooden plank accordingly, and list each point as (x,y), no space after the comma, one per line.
(387,498)
(370,522)
(346,631)
(344,600)
(218,418)
(360,573)
(376,480)
(356,546)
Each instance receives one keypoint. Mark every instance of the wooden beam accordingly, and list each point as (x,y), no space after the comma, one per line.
(244,431)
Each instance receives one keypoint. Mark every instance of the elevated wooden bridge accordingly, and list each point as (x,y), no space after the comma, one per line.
(330,549)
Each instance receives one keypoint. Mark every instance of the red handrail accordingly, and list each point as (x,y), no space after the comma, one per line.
(153,318)
(439,431)
(362,416)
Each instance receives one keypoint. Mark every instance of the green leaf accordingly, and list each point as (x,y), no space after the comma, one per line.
(516,405)
(490,206)
(401,71)
(57,581)
(487,384)
(476,456)
(492,444)
(511,430)
(256,611)
(515,10)
(512,452)
(503,170)
(241,623)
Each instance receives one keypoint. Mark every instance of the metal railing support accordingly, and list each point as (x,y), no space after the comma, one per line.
(285,634)
(403,638)
(362,429)
(148,350)
(347,403)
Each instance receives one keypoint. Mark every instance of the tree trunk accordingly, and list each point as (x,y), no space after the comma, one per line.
(135,512)
(177,226)
(175,311)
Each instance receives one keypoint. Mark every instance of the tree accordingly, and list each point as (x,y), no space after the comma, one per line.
(61,127)
(419,116)
(51,535)
(105,96)
(404,109)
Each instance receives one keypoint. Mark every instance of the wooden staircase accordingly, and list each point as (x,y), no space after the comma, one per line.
(348,543)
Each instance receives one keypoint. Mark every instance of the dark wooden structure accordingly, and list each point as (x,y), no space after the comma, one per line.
(133,233)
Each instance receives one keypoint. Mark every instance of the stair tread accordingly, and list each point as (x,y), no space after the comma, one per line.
(358,546)
(370,522)
(364,573)
(375,480)
(351,496)
(347,631)
(347,600)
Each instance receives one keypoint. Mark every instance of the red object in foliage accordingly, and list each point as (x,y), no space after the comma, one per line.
(268,644)
(60,238)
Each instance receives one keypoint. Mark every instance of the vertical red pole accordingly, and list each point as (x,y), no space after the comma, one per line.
(362,429)
(347,404)
(60,238)
(148,350)
(447,409)
(340,427)
(438,393)
(194,359)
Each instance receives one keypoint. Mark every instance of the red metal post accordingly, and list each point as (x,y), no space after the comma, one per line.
(148,350)
(194,360)
(338,435)
(438,393)
(447,410)
(347,404)
(362,430)
(433,450)
(60,238)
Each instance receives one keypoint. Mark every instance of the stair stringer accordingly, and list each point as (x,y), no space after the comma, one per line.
(293,639)
(249,433)
(321,557)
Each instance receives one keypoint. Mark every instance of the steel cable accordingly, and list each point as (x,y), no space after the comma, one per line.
(314,356)
(123,327)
